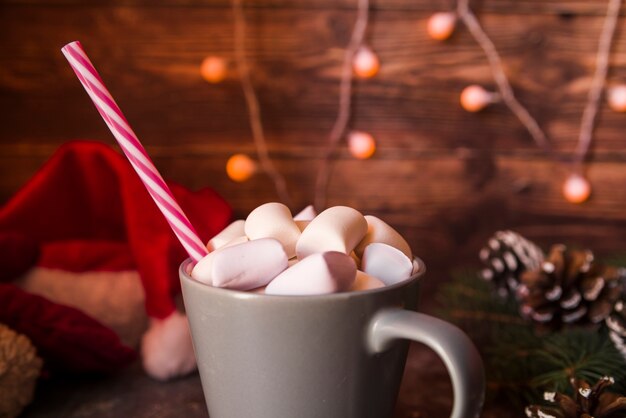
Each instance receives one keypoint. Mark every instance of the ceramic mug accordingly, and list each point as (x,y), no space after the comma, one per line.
(339,355)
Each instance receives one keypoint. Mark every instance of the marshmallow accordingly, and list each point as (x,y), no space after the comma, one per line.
(317,274)
(364,281)
(259,290)
(229,233)
(202,271)
(416,267)
(306,214)
(273,220)
(339,228)
(356,259)
(386,263)
(249,265)
(379,231)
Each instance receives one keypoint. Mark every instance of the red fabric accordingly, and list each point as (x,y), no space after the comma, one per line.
(17,255)
(66,338)
(87,210)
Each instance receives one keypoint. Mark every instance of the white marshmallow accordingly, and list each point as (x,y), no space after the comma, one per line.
(364,281)
(339,228)
(229,233)
(249,265)
(235,241)
(273,220)
(306,214)
(317,274)
(379,231)
(202,271)
(386,263)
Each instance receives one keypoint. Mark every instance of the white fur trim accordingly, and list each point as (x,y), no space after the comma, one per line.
(166,348)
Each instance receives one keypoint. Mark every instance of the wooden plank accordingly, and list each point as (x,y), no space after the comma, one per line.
(565,8)
(396,188)
(151,57)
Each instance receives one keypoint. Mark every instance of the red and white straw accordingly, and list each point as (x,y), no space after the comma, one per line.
(135,152)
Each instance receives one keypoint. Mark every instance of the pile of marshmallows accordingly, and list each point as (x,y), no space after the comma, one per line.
(274,253)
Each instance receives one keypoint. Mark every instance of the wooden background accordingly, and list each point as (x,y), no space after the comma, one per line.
(445,178)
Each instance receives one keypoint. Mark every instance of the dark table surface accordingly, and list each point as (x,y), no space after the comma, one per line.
(425,393)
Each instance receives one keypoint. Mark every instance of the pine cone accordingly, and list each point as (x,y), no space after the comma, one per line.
(19,370)
(616,323)
(589,402)
(570,288)
(506,256)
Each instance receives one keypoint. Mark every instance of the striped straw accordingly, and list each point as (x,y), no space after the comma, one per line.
(135,152)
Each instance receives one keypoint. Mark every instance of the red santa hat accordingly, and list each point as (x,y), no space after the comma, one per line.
(86,210)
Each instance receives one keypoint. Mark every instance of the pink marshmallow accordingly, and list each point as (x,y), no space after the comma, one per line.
(249,265)
(317,274)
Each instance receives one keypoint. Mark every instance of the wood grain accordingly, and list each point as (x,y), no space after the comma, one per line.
(446,179)
(412,104)
(565,8)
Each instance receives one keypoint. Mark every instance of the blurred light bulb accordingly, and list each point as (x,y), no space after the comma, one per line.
(617,98)
(213,69)
(240,167)
(441,25)
(361,145)
(475,98)
(576,189)
(365,63)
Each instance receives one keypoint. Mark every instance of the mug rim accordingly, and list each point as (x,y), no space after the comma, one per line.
(246,294)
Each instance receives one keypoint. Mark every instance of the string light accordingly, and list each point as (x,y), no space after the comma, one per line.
(576,189)
(441,25)
(213,69)
(617,98)
(254,109)
(365,64)
(474,98)
(345,99)
(361,145)
(240,167)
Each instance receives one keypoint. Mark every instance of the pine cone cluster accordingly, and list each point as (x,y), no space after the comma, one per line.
(570,288)
(616,323)
(588,402)
(19,370)
(507,255)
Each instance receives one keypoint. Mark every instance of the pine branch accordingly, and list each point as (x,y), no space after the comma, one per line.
(521,363)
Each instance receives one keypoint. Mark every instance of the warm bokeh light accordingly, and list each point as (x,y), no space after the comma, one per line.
(474,98)
(576,189)
(365,63)
(240,167)
(213,69)
(441,25)
(361,144)
(616,97)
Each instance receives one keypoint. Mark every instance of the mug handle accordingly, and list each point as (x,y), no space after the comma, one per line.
(454,347)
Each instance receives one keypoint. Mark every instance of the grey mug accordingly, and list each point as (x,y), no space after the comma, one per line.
(340,355)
